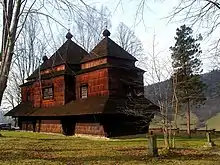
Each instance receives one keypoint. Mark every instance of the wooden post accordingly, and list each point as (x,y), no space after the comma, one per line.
(210,143)
(152,145)
(208,135)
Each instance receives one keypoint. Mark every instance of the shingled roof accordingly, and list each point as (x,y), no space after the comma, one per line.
(22,109)
(99,104)
(109,48)
(68,53)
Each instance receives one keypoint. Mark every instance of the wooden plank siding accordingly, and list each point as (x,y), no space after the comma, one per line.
(24,93)
(54,69)
(58,92)
(94,63)
(90,129)
(97,82)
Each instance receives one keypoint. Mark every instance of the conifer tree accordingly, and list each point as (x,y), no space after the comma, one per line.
(186,64)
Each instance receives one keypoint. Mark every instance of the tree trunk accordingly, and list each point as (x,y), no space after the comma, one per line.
(166,138)
(166,133)
(175,124)
(188,119)
(9,31)
(2,87)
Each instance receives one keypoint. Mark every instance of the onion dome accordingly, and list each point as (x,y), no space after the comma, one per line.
(69,36)
(106,33)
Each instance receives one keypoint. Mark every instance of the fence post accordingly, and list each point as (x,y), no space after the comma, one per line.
(152,145)
(210,143)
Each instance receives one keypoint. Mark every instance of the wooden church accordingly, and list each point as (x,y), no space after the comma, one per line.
(76,92)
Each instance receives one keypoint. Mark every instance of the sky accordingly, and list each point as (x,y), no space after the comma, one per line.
(154,22)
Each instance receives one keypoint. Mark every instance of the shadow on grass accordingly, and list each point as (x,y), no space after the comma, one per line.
(180,154)
(132,149)
(21,155)
(9,138)
(189,154)
(42,150)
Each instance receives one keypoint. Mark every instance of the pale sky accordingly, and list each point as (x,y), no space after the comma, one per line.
(154,21)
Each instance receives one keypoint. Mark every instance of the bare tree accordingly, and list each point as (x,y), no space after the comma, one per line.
(28,52)
(14,10)
(127,39)
(157,72)
(88,30)
(203,14)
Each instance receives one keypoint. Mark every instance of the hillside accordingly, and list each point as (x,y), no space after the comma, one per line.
(205,112)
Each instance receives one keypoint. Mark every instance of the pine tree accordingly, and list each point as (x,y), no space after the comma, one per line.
(187,68)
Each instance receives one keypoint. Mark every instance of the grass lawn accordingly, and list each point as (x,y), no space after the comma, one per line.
(18,148)
(213,123)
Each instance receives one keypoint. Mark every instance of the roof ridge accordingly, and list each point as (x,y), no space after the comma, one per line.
(68,53)
(108,48)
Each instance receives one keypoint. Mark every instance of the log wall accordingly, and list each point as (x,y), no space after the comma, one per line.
(117,76)
(50,126)
(58,92)
(70,86)
(94,63)
(24,93)
(97,82)
(90,129)
(56,68)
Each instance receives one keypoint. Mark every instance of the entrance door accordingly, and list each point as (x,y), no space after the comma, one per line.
(68,126)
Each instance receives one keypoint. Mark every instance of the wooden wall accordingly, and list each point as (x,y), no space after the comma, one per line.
(58,87)
(89,129)
(117,77)
(50,126)
(94,63)
(24,93)
(56,68)
(121,62)
(122,125)
(97,83)
(55,126)
(70,88)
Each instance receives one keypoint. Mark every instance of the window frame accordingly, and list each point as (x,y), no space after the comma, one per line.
(28,96)
(87,91)
(49,97)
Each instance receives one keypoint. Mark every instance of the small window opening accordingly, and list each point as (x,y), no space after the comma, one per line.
(48,93)
(28,96)
(84,91)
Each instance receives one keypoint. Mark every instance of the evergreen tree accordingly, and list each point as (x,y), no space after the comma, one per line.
(187,68)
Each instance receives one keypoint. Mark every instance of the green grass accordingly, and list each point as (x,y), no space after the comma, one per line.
(21,148)
(214,122)
(181,121)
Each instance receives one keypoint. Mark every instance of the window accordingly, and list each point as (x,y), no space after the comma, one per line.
(28,96)
(48,93)
(84,91)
